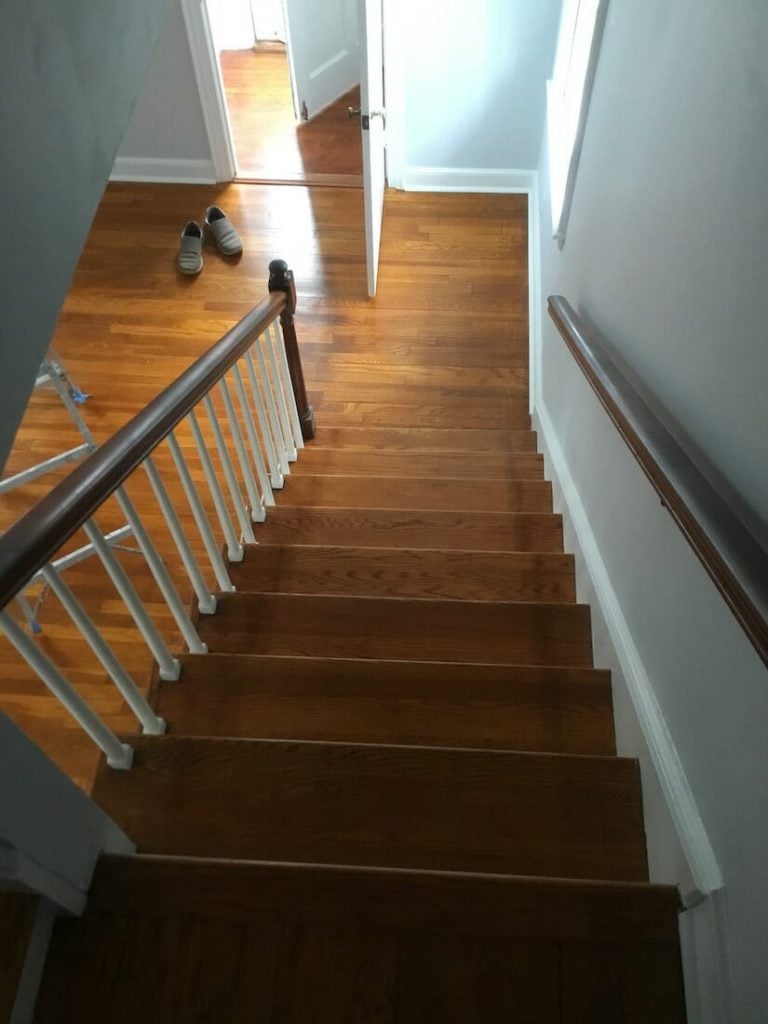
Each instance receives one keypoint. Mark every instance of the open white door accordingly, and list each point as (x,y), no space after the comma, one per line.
(324,52)
(372,127)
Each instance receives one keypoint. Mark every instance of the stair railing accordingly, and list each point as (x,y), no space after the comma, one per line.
(244,450)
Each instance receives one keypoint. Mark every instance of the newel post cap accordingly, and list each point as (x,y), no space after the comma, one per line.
(281,280)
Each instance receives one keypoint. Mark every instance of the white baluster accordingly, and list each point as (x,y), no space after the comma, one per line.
(233,485)
(170,594)
(235,549)
(257,506)
(271,404)
(267,424)
(118,755)
(169,667)
(276,385)
(290,398)
(151,724)
(206,601)
(250,426)
(201,519)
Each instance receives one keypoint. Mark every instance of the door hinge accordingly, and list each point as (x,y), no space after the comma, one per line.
(366,119)
(304,111)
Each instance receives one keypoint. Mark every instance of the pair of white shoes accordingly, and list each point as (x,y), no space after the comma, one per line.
(190,256)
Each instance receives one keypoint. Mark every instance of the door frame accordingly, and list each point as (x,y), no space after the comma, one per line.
(213,99)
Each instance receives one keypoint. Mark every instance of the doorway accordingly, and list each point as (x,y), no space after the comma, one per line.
(270,139)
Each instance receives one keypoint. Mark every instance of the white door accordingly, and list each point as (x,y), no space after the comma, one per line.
(324,46)
(372,127)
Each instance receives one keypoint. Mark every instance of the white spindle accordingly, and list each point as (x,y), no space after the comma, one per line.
(170,594)
(206,601)
(290,398)
(151,724)
(250,426)
(235,550)
(279,393)
(169,667)
(233,485)
(118,755)
(260,387)
(257,506)
(201,519)
(268,424)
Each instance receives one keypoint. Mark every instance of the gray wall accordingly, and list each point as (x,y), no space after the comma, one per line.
(167,121)
(666,253)
(474,77)
(69,74)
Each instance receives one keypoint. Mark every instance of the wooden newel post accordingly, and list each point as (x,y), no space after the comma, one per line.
(281,280)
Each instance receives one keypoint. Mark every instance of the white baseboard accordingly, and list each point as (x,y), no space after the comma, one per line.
(178,172)
(704,930)
(466,179)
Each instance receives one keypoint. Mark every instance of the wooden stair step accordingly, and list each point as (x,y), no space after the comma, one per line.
(517,633)
(317,461)
(284,942)
(394,528)
(517,905)
(554,710)
(450,395)
(456,439)
(418,493)
(436,808)
(350,409)
(404,572)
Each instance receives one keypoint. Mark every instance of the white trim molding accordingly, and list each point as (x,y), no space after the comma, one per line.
(466,179)
(174,171)
(211,88)
(704,925)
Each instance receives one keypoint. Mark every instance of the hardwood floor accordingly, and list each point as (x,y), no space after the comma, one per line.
(392,781)
(131,324)
(270,144)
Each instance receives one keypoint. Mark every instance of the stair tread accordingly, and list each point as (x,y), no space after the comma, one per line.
(443,808)
(524,633)
(404,572)
(349,408)
(317,461)
(421,703)
(480,531)
(502,904)
(460,493)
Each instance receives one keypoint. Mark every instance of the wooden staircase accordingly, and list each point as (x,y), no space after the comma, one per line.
(391,792)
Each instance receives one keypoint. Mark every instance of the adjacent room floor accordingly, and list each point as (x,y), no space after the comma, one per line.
(270,144)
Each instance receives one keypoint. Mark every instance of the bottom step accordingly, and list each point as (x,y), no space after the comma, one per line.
(167,939)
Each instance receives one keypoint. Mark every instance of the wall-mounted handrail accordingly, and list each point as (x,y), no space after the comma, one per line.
(733,557)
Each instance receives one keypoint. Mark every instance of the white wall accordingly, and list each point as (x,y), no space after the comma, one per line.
(473,79)
(69,74)
(666,252)
(166,136)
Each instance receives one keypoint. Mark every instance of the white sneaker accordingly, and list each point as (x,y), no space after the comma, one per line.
(225,236)
(190,256)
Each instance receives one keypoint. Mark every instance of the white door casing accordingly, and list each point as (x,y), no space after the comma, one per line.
(324,45)
(372,129)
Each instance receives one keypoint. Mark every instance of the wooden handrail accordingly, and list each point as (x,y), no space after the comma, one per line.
(733,557)
(35,538)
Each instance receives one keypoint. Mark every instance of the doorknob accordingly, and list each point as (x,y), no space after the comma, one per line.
(353,112)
